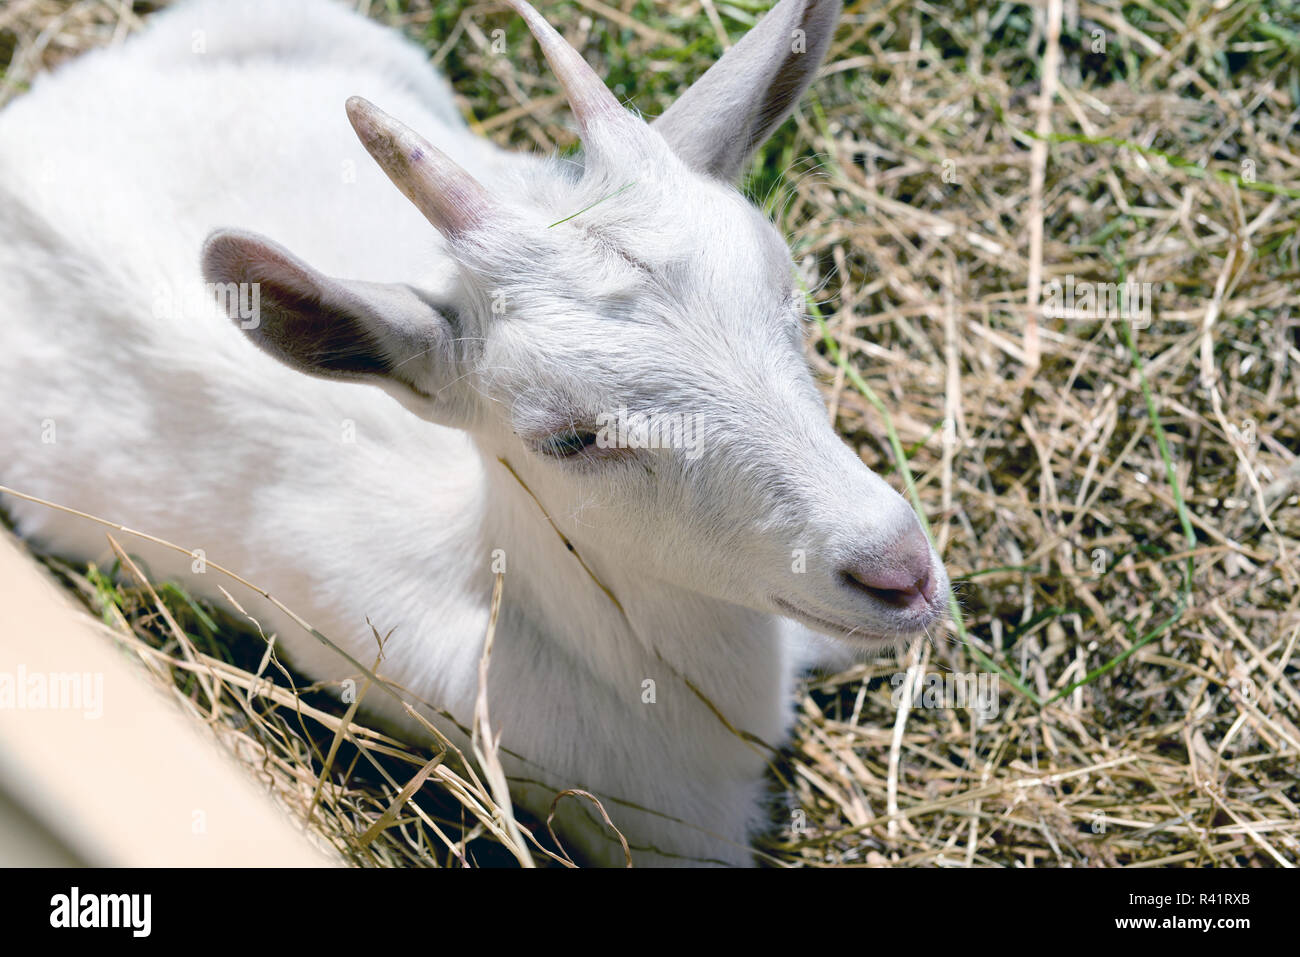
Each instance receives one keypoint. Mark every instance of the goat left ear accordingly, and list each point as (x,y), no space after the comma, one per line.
(716,125)
(387,334)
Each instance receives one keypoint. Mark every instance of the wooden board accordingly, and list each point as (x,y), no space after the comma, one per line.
(98,766)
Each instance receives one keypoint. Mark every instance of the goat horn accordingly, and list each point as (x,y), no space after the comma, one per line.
(589,97)
(450,198)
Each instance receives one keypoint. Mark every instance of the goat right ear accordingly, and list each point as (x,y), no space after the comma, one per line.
(728,113)
(386,334)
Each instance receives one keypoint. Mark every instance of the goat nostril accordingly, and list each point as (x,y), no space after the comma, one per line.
(894,597)
(899,573)
(893,587)
(925,585)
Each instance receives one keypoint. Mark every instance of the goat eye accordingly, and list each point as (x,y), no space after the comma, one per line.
(568,443)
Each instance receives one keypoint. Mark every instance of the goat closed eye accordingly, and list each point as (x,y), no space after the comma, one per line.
(567,443)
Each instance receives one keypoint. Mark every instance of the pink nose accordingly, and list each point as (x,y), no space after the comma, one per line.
(898,574)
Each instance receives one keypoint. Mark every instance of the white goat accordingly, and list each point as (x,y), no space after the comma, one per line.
(510,312)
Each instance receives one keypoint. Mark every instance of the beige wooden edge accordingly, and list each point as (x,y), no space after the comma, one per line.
(140,784)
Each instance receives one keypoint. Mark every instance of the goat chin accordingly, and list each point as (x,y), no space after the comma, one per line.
(501,298)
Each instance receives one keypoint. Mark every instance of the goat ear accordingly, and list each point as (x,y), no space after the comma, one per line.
(716,125)
(387,334)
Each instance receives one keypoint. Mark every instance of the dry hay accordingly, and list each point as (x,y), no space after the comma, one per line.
(1118,501)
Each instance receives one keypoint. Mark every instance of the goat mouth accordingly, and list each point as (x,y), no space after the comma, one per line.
(838,629)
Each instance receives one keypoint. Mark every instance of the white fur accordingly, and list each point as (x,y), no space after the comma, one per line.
(673,295)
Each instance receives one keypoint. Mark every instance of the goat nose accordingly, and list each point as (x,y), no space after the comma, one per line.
(899,575)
